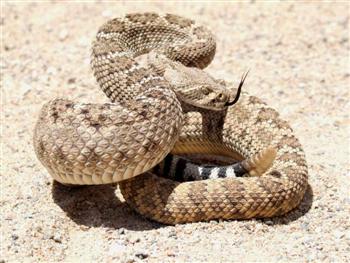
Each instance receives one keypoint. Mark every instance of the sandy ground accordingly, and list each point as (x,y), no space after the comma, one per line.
(298,55)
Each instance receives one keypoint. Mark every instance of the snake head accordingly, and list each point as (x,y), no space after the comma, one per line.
(196,87)
(205,96)
(210,95)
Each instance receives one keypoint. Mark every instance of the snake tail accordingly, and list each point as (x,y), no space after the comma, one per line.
(260,162)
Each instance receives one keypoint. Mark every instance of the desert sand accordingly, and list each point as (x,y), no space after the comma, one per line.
(298,56)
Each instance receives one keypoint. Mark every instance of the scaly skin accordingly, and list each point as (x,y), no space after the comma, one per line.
(249,128)
(94,144)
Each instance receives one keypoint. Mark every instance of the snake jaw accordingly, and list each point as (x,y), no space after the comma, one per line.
(228,104)
(213,102)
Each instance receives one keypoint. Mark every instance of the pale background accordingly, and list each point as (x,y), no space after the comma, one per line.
(298,56)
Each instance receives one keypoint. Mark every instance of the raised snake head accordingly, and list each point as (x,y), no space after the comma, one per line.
(194,86)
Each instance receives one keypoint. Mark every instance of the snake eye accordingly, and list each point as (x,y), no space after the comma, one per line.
(222,97)
(206,91)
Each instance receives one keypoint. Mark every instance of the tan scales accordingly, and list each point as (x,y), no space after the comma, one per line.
(104,143)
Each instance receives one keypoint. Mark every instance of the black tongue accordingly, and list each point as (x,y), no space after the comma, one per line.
(238,90)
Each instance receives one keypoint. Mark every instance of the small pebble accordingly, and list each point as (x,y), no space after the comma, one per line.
(71,80)
(63,35)
(134,240)
(172,233)
(339,234)
(269,222)
(141,255)
(51,70)
(170,254)
(57,238)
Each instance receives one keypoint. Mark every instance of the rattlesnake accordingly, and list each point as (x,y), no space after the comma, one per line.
(147,118)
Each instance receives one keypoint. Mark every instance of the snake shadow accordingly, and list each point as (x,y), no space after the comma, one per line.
(99,206)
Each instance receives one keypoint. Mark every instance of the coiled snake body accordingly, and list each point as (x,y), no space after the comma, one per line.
(153,112)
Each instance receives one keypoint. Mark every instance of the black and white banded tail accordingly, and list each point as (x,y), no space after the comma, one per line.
(182,169)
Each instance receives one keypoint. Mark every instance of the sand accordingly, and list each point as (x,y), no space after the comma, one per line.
(298,56)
